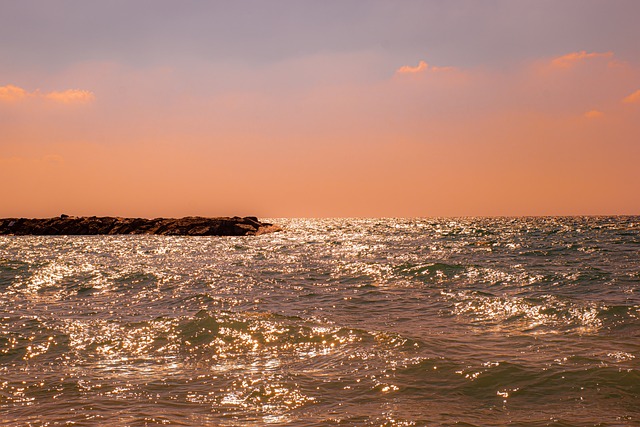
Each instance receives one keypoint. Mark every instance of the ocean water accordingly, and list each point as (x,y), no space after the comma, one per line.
(364,322)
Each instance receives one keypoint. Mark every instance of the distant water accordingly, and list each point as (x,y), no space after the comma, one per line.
(385,322)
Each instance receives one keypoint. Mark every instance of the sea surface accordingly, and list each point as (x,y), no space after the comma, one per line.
(363,322)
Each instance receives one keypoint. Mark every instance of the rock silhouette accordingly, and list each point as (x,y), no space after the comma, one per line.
(188,226)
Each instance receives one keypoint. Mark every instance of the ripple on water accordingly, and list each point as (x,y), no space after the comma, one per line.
(339,321)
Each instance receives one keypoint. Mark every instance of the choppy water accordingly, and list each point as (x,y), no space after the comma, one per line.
(470,322)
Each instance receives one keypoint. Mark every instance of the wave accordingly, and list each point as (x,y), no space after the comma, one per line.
(543,314)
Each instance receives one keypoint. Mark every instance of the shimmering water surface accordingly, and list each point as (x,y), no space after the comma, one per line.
(470,322)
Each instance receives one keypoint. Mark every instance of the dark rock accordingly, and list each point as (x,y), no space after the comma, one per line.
(188,226)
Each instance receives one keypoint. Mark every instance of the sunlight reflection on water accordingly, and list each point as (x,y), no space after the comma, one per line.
(356,321)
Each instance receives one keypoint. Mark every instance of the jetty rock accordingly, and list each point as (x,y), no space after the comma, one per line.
(187,226)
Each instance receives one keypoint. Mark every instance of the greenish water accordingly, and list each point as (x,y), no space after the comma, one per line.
(393,322)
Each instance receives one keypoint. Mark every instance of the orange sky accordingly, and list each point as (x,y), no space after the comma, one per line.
(325,134)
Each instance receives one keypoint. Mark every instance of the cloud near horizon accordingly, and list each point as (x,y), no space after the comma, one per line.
(570,59)
(71,96)
(593,114)
(421,67)
(11,93)
(634,98)
(409,69)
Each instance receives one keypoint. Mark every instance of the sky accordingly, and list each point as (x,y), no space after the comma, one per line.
(302,108)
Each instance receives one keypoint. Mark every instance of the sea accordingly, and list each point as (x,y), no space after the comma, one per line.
(356,322)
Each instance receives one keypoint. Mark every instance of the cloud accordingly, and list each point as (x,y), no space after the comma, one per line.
(634,98)
(593,114)
(570,59)
(10,93)
(421,67)
(572,85)
(409,69)
(71,96)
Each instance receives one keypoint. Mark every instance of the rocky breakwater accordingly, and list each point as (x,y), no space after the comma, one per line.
(188,226)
